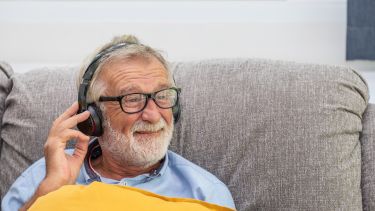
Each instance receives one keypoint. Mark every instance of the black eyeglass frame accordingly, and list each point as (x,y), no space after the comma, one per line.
(148,96)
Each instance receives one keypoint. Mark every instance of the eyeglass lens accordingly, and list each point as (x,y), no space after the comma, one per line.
(136,102)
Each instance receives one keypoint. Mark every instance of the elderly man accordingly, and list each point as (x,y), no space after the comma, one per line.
(127,97)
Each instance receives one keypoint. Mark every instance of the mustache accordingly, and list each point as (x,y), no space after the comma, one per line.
(148,127)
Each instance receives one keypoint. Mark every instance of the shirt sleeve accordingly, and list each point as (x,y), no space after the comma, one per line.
(221,195)
(24,187)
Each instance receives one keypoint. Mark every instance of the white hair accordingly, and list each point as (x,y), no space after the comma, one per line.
(135,49)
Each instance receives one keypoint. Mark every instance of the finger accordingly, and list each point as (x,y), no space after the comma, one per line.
(70,134)
(79,154)
(60,140)
(74,120)
(81,147)
(68,112)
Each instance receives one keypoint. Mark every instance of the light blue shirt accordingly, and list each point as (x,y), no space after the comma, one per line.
(176,177)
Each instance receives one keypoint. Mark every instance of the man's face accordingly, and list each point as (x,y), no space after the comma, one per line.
(139,139)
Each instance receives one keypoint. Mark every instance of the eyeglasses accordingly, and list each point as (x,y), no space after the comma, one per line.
(137,102)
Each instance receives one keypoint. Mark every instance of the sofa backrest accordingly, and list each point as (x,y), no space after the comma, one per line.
(281,135)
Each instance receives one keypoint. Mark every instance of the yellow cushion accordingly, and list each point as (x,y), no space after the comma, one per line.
(101,196)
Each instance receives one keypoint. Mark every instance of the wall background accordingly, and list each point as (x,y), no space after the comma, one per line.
(40,33)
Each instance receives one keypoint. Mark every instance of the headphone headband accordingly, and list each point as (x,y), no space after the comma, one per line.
(90,71)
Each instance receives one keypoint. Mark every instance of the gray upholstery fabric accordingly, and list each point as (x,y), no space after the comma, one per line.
(36,99)
(368,159)
(283,136)
(5,86)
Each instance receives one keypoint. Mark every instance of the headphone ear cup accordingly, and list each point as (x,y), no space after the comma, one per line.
(176,110)
(93,125)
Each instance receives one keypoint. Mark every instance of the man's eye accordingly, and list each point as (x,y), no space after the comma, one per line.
(133,99)
(161,97)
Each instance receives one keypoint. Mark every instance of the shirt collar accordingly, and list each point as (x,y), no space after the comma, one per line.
(94,151)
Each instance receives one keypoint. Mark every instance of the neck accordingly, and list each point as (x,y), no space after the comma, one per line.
(111,168)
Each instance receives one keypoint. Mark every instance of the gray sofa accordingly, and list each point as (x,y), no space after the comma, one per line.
(281,135)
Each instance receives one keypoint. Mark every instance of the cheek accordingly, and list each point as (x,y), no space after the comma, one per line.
(121,121)
(167,116)
(113,114)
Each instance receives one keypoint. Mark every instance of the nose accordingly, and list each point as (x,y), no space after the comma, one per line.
(151,112)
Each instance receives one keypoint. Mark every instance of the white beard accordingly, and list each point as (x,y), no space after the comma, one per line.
(132,151)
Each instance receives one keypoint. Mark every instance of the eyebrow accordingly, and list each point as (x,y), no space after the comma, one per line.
(129,89)
(132,88)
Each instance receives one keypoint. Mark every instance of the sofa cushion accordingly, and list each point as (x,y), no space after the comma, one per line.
(368,159)
(282,135)
(5,87)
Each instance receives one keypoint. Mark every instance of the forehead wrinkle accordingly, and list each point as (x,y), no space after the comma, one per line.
(129,80)
(135,76)
(134,71)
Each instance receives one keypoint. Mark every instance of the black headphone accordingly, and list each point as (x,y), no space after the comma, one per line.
(93,125)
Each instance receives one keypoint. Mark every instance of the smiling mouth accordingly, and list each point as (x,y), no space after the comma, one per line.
(147,132)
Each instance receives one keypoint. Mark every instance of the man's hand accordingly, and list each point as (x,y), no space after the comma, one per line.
(61,168)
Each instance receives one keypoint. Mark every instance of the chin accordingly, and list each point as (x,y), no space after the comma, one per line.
(148,151)
(142,149)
